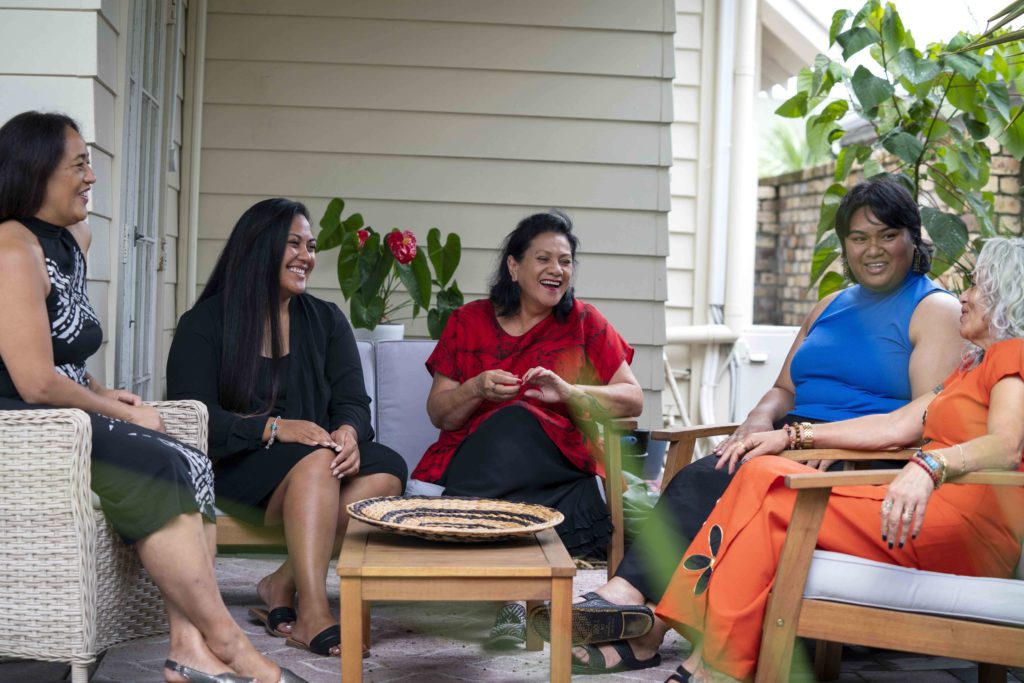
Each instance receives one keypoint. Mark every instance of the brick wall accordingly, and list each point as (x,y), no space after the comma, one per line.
(787,221)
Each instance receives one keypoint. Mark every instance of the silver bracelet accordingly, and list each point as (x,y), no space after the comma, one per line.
(273,432)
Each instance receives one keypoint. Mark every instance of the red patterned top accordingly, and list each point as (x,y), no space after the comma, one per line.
(585,349)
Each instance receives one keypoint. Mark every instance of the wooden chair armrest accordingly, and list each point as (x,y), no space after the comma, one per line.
(844,454)
(700,431)
(682,442)
(826,480)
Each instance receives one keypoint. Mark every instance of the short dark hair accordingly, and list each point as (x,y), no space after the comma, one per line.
(31,146)
(504,292)
(248,273)
(892,204)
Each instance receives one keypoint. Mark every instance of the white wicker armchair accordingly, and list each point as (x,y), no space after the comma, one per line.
(69,587)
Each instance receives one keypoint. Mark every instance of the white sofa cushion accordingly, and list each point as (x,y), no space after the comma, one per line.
(857,581)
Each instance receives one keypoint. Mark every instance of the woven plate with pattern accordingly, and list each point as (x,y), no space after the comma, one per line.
(450,518)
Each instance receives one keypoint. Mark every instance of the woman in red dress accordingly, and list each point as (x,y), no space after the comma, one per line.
(517,376)
(972,421)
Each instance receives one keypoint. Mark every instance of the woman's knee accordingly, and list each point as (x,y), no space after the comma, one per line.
(314,467)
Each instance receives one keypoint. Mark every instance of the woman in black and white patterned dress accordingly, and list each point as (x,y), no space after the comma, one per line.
(157,493)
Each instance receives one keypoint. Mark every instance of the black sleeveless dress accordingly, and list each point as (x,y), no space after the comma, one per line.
(143,478)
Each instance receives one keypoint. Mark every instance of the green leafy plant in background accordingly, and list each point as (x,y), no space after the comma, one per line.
(372,266)
(931,109)
(786,150)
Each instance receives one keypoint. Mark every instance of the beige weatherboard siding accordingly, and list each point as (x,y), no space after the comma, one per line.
(466,115)
(65,56)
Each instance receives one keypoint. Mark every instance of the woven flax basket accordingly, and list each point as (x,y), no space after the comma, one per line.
(450,518)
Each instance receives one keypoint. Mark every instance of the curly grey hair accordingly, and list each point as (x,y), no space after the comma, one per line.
(999,279)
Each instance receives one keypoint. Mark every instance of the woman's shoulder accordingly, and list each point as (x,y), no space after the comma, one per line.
(1007,352)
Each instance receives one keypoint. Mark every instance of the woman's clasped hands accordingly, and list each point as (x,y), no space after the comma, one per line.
(343,441)
(544,385)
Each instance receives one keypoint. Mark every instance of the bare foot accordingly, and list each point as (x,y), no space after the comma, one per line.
(643,648)
(618,592)
(196,656)
(278,590)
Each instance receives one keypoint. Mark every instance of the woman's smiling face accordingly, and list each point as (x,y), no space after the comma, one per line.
(545,272)
(67,190)
(299,258)
(879,255)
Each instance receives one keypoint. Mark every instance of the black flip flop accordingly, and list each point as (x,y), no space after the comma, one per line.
(628,662)
(321,643)
(272,619)
(680,675)
(595,620)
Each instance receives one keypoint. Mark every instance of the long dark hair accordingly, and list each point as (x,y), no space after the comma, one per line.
(248,275)
(504,291)
(891,203)
(31,146)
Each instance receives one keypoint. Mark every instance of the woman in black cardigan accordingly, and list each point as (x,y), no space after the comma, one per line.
(290,433)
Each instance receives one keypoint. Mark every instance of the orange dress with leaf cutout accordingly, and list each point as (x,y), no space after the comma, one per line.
(721,587)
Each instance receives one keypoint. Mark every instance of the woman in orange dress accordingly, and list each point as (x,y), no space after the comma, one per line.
(972,421)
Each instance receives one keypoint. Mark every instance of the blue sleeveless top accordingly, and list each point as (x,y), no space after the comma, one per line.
(855,359)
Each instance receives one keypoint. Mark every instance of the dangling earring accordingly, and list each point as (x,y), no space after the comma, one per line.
(915,265)
(847,273)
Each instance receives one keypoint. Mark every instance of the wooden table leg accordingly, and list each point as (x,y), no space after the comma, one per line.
(561,629)
(533,641)
(352,614)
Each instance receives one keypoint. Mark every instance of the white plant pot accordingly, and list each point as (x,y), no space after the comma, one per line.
(386,332)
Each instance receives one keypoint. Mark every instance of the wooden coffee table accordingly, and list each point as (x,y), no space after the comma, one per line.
(381,566)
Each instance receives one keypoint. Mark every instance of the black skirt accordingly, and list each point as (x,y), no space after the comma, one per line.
(509,457)
(142,478)
(246,481)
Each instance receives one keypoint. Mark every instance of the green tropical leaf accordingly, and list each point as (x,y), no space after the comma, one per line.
(947,231)
(964,64)
(905,146)
(917,71)
(978,129)
(894,36)
(872,168)
(825,252)
(869,89)
(353,222)
(1012,136)
(829,204)
(348,265)
(332,214)
(838,21)
(999,97)
(415,276)
(795,107)
(856,39)
(444,259)
(982,208)
(832,282)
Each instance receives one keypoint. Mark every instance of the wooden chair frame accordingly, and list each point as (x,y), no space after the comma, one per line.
(789,614)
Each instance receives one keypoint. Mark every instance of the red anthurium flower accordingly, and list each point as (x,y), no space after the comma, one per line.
(402,245)
(363,235)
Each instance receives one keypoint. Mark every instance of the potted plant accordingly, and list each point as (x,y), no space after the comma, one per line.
(373,268)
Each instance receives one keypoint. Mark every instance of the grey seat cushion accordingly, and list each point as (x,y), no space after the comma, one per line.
(369,378)
(402,385)
(856,581)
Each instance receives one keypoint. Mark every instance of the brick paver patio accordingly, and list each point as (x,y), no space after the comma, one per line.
(431,642)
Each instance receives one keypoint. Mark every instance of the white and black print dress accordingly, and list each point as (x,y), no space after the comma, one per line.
(143,478)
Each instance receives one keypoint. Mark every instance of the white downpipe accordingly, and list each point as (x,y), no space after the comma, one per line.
(720,199)
(742,232)
(721,157)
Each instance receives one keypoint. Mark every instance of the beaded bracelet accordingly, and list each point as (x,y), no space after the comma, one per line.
(273,432)
(943,464)
(790,435)
(929,464)
(798,431)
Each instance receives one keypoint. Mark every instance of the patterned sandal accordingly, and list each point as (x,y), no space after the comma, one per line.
(595,620)
(509,628)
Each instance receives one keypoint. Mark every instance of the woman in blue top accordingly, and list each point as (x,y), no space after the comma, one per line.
(867,349)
